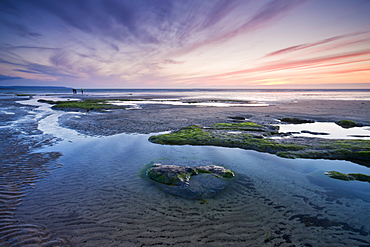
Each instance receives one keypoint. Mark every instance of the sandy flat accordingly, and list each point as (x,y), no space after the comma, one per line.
(157,118)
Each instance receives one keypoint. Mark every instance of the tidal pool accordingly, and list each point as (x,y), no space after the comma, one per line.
(97,198)
(327,130)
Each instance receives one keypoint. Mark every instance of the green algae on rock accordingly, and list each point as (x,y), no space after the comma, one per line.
(198,182)
(170,174)
(349,176)
(257,137)
(348,124)
(239,126)
(225,137)
(89,105)
(180,175)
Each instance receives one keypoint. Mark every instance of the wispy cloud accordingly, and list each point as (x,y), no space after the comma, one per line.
(6,78)
(322,42)
(267,15)
(303,63)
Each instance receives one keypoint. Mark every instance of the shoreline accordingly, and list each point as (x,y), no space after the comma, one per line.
(21,142)
(159,118)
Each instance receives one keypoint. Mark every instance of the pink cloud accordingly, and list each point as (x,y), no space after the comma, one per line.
(301,64)
(321,42)
(266,16)
(351,71)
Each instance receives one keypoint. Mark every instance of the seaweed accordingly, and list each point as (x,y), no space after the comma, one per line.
(348,177)
(313,148)
(296,120)
(90,104)
(348,124)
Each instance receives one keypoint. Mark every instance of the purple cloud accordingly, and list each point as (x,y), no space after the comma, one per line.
(266,15)
(6,78)
(309,45)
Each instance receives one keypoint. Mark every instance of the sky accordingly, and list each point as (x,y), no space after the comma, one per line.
(185,43)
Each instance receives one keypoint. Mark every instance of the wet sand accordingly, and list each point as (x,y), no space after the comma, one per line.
(22,166)
(158,118)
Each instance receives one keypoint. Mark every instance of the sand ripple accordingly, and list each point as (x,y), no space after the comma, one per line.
(20,168)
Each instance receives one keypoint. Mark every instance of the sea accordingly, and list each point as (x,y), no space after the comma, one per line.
(260,95)
(96,193)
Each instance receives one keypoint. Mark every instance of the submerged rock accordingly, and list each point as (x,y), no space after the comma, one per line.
(349,176)
(197,182)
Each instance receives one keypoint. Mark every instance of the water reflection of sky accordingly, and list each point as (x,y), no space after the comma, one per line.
(97,170)
(137,104)
(334,130)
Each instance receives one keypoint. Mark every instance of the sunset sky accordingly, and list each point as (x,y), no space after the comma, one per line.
(184,43)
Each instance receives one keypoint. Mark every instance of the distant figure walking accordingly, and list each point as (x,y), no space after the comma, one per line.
(74,91)
(82,91)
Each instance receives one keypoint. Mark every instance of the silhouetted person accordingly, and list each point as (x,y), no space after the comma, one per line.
(74,91)
(82,91)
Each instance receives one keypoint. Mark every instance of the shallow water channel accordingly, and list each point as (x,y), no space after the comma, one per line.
(97,197)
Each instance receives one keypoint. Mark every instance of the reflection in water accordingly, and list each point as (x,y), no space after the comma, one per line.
(21,166)
(98,199)
(327,130)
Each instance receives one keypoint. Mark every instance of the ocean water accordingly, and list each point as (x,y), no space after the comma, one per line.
(261,95)
(97,196)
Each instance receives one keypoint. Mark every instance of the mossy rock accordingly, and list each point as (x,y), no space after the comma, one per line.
(242,125)
(197,182)
(348,177)
(88,105)
(180,175)
(346,123)
(170,174)
(189,135)
(312,148)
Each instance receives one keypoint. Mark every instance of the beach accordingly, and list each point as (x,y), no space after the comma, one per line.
(160,118)
(73,211)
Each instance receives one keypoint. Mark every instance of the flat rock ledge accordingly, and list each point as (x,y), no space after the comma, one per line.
(190,182)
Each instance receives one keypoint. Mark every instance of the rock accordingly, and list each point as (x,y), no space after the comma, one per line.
(217,170)
(170,174)
(360,136)
(348,177)
(237,118)
(314,133)
(197,182)
(296,120)
(348,124)
(180,175)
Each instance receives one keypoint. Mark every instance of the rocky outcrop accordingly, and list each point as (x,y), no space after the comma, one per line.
(348,124)
(180,175)
(248,135)
(197,182)
(296,120)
